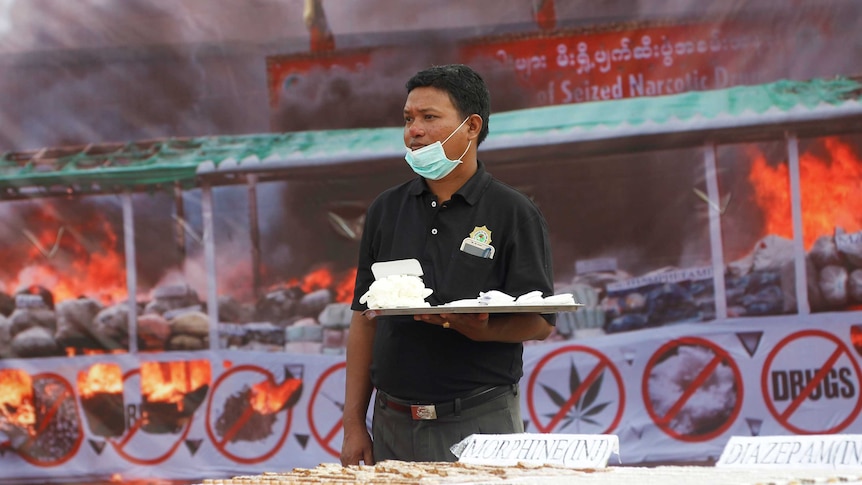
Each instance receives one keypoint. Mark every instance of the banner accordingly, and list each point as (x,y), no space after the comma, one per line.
(672,394)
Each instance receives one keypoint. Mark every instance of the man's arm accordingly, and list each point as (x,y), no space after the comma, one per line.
(511,327)
(360,341)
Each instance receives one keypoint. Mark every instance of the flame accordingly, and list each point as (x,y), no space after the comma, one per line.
(323,278)
(831,191)
(268,397)
(100,378)
(316,280)
(344,289)
(72,351)
(16,398)
(170,381)
(70,261)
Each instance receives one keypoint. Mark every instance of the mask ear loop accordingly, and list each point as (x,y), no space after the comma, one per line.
(468,141)
(465,152)
(455,131)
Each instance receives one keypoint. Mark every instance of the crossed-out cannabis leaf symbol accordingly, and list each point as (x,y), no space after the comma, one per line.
(584,409)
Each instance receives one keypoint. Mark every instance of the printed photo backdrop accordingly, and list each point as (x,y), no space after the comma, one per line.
(114,360)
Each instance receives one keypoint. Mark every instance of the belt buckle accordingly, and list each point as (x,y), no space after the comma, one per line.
(423,411)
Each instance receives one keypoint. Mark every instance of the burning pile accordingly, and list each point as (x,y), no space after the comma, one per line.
(39,416)
(171,392)
(101,391)
(308,316)
(250,413)
(17,412)
(831,201)
(834,265)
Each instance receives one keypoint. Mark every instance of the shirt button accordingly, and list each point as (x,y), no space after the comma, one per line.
(433,203)
(434,231)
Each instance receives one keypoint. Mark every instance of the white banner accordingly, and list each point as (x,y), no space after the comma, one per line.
(675,393)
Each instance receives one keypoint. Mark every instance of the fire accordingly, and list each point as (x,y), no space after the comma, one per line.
(344,289)
(268,397)
(100,378)
(316,280)
(71,351)
(169,382)
(831,190)
(16,398)
(324,278)
(69,261)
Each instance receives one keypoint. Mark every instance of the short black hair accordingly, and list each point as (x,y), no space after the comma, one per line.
(465,87)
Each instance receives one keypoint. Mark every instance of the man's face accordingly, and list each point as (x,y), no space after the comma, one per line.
(430,116)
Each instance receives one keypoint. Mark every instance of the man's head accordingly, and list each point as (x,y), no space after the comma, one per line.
(465,87)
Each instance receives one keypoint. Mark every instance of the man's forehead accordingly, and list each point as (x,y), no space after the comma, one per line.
(428,99)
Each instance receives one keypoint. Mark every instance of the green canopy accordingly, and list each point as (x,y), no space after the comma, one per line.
(113,167)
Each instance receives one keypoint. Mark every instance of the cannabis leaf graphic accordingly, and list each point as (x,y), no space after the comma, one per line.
(584,410)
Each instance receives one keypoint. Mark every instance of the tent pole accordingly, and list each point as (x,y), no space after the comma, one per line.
(803,307)
(716,244)
(131,270)
(210,263)
(254,234)
(179,222)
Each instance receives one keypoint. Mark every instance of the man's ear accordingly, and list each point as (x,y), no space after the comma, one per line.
(474,123)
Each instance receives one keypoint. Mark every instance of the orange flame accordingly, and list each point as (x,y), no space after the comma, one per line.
(831,191)
(268,397)
(324,278)
(16,398)
(316,280)
(61,259)
(170,381)
(100,378)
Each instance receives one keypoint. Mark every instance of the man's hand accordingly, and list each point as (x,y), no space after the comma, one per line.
(356,446)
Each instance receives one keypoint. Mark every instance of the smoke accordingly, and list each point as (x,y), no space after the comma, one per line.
(95,71)
(91,71)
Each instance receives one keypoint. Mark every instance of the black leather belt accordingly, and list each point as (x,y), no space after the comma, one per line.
(448,408)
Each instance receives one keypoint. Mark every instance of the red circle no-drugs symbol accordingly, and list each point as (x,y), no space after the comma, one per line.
(325,414)
(811,383)
(587,401)
(692,389)
(235,441)
(58,433)
(137,447)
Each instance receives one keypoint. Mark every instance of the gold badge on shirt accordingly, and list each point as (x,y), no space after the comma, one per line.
(479,243)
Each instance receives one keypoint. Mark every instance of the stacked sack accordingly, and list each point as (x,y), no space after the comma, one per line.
(335,320)
(32,324)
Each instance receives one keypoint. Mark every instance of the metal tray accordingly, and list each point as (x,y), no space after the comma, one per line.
(436,310)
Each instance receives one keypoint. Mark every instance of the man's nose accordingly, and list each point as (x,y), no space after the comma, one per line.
(416,130)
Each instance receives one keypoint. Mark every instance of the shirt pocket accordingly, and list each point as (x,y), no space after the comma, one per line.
(466,276)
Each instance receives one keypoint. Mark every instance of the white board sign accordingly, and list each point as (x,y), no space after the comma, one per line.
(566,450)
(800,451)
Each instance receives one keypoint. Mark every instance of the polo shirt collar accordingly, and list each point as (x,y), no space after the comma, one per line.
(470,191)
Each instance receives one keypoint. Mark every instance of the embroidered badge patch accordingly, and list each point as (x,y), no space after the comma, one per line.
(481,235)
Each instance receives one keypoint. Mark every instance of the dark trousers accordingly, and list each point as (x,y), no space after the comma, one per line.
(397,436)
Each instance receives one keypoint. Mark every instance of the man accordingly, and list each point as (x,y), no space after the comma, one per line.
(441,378)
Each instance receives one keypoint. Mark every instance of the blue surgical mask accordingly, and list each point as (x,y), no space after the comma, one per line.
(431,161)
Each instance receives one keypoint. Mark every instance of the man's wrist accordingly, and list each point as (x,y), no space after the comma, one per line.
(350,420)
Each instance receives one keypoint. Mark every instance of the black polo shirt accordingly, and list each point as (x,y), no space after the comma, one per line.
(417,361)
